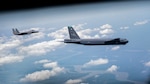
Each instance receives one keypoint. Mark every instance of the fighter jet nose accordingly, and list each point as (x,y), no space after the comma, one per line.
(127,41)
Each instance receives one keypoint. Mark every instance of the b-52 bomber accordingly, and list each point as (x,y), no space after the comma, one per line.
(16,32)
(74,38)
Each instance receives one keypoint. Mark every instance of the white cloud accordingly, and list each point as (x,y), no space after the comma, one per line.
(59,34)
(75,81)
(106,29)
(6,47)
(40,48)
(84,83)
(10,59)
(50,65)
(99,61)
(86,33)
(43,74)
(96,76)
(141,22)
(115,48)
(106,26)
(42,61)
(12,43)
(124,28)
(113,68)
(37,76)
(79,26)
(147,64)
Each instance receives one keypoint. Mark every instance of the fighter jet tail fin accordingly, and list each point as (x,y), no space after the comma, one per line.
(15,31)
(72,33)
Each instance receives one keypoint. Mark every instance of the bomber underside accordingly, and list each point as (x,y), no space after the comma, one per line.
(94,42)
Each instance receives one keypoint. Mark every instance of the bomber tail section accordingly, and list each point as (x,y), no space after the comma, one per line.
(72,33)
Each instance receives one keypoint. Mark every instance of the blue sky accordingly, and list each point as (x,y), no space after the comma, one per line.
(40,58)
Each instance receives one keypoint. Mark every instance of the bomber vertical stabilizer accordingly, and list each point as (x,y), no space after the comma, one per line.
(72,33)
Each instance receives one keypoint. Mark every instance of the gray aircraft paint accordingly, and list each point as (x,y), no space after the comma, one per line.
(74,38)
(16,32)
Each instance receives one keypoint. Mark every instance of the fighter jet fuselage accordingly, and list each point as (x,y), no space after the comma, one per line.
(74,38)
(16,32)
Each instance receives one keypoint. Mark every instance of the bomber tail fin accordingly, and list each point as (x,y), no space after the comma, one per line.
(72,33)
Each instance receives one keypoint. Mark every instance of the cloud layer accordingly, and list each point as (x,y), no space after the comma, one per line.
(43,74)
(99,61)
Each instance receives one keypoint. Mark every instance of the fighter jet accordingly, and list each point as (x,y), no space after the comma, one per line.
(16,32)
(74,38)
